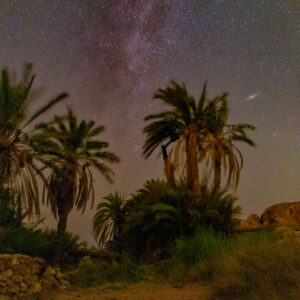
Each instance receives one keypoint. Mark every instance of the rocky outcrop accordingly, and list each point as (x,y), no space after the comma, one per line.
(251,224)
(24,277)
(282,214)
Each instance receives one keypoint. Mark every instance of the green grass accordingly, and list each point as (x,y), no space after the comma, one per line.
(261,265)
(92,273)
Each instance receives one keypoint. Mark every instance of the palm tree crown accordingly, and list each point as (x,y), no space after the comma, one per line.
(186,123)
(17,169)
(109,218)
(69,149)
(200,130)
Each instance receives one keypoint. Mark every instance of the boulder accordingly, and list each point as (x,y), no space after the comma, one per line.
(253,219)
(282,214)
(251,224)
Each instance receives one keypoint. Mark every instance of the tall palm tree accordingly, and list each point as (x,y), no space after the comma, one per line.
(69,149)
(17,168)
(109,218)
(183,123)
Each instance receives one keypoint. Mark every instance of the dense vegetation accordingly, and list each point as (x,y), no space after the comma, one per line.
(243,267)
(181,229)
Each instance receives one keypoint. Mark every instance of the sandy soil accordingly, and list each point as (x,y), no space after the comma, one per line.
(136,292)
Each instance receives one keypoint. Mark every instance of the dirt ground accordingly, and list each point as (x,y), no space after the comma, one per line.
(136,292)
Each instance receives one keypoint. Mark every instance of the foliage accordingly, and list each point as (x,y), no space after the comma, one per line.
(156,215)
(258,266)
(219,149)
(10,209)
(29,240)
(159,213)
(265,270)
(217,209)
(69,149)
(109,218)
(97,272)
(207,250)
(261,265)
(184,124)
(199,130)
(19,237)
(17,168)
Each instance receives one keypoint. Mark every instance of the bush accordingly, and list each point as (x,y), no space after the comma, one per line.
(160,213)
(40,242)
(261,265)
(200,257)
(269,271)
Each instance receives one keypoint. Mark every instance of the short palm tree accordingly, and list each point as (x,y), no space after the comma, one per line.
(17,168)
(156,214)
(218,209)
(219,148)
(184,123)
(69,149)
(217,144)
(109,218)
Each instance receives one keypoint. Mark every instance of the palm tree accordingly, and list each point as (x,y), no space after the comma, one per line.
(183,123)
(217,144)
(108,220)
(218,209)
(68,148)
(17,168)
(156,215)
(219,148)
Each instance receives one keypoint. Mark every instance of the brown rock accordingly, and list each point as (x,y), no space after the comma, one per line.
(253,219)
(13,289)
(17,278)
(24,277)
(6,274)
(251,224)
(23,287)
(283,214)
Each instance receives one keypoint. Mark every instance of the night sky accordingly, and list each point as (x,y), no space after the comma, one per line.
(111,56)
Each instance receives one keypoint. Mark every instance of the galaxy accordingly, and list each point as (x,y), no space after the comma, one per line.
(112,55)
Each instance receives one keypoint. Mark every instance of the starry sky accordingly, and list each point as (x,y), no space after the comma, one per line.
(112,55)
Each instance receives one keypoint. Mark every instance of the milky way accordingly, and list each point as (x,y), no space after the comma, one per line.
(111,56)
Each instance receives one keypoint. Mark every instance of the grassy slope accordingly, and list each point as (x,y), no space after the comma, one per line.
(262,265)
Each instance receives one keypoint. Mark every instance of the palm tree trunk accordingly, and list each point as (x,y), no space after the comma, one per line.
(61,229)
(217,178)
(192,162)
(169,167)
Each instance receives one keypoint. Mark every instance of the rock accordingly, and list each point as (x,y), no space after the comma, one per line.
(17,278)
(49,271)
(5,275)
(253,219)
(23,287)
(251,224)
(283,214)
(24,277)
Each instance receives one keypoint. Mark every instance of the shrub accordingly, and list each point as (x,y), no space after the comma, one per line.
(160,213)
(40,242)
(261,265)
